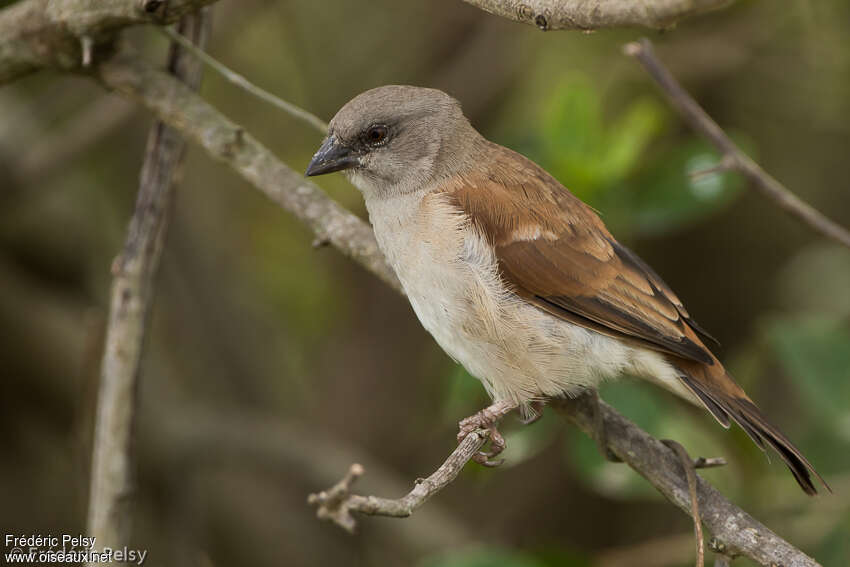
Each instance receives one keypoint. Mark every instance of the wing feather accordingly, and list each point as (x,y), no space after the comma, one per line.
(554,251)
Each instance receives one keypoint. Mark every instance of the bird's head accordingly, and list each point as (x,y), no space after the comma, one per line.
(394,139)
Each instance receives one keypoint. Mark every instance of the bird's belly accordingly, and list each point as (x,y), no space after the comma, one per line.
(519,352)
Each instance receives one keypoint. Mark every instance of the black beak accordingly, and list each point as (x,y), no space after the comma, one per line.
(331,157)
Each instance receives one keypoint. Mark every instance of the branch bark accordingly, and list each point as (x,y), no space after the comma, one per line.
(735,532)
(51,33)
(337,503)
(733,158)
(597,14)
(134,271)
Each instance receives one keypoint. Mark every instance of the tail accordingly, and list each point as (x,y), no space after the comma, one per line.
(726,400)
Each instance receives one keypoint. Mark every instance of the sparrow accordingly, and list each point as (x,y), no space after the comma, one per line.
(515,277)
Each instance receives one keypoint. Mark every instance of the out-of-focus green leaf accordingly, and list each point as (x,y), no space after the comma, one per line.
(606,163)
(667,196)
(578,147)
(816,353)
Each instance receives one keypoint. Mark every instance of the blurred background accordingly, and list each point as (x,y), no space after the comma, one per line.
(271,365)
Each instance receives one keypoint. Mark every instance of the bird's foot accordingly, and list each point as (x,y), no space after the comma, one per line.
(487,419)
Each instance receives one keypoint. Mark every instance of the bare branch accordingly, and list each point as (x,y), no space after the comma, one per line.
(337,503)
(733,157)
(225,140)
(66,34)
(597,14)
(132,293)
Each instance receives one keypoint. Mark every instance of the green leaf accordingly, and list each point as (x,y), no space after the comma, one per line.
(815,350)
(667,196)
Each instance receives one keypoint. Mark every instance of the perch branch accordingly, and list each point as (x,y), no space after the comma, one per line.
(597,14)
(733,157)
(735,532)
(337,503)
(132,293)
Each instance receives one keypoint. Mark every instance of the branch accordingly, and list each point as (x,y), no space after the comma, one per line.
(196,119)
(733,158)
(597,14)
(337,503)
(60,33)
(132,293)
(735,532)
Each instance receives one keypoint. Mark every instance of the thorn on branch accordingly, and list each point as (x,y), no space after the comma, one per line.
(321,242)
(709,462)
(727,163)
(87,46)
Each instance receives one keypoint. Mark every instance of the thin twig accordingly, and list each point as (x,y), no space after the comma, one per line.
(337,503)
(691,476)
(245,84)
(110,513)
(570,15)
(700,121)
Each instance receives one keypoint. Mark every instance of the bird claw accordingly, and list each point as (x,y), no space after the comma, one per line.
(486,419)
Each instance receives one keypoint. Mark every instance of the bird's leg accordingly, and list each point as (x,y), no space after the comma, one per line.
(487,419)
(599,433)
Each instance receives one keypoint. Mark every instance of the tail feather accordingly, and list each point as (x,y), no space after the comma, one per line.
(726,400)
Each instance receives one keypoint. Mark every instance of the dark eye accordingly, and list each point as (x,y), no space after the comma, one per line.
(376,135)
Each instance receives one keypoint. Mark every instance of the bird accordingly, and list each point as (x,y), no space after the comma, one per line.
(515,277)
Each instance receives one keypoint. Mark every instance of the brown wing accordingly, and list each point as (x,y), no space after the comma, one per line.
(555,251)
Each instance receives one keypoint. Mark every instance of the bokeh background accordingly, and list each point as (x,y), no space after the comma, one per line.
(271,366)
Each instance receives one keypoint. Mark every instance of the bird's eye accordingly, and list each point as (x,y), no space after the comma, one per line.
(376,135)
